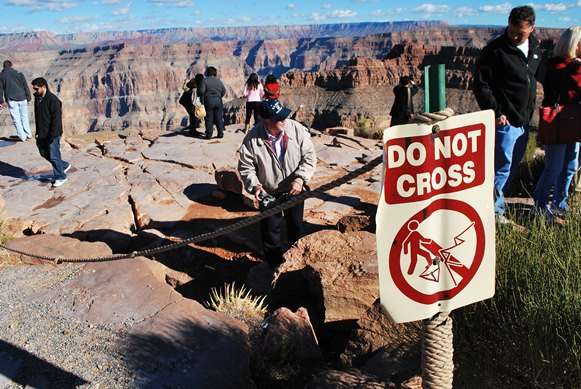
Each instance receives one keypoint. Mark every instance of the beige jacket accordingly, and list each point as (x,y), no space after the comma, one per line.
(258,164)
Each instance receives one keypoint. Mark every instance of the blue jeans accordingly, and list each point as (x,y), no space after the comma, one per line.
(561,161)
(50,149)
(19,114)
(510,146)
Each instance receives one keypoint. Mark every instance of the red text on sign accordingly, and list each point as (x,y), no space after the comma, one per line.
(420,167)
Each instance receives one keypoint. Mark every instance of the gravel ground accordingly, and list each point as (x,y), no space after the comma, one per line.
(59,352)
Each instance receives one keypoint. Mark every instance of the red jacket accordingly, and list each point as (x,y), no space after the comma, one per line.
(562,83)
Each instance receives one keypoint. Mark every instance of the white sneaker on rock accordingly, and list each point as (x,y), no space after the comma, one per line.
(68,168)
(58,183)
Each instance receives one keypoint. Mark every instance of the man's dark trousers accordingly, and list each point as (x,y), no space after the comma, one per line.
(214,115)
(50,149)
(271,233)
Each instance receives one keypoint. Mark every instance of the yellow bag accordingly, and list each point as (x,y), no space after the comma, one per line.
(199,109)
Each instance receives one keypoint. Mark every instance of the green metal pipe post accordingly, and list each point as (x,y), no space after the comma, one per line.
(434,88)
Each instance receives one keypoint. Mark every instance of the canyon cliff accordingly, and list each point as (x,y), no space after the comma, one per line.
(342,74)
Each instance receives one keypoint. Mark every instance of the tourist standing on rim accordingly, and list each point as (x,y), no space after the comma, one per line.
(562,85)
(403,104)
(253,92)
(15,93)
(271,88)
(49,129)
(187,101)
(505,81)
(277,157)
(211,92)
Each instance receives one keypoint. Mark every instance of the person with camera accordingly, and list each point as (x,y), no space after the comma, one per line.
(403,104)
(277,158)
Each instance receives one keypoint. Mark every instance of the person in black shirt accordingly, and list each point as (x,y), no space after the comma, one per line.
(49,129)
(505,81)
(403,105)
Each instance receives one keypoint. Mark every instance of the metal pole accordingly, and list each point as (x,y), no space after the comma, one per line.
(434,88)
(427,82)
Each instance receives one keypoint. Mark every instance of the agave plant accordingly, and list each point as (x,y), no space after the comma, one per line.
(238,303)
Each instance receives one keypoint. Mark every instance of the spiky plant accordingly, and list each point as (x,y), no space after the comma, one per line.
(238,303)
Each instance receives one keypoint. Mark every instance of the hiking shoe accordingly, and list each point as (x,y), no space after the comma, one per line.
(60,182)
(68,168)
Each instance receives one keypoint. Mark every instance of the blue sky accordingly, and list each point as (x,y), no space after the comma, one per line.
(63,16)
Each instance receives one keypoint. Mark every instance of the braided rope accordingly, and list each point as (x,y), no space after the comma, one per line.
(437,352)
(219,232)
(431,118)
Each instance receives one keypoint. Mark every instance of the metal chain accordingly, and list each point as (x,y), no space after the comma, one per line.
(219,232)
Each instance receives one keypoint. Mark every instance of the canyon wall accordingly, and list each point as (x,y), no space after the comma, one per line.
(136,79)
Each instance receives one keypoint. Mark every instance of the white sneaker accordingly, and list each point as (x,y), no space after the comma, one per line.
(68,168)
(58,183)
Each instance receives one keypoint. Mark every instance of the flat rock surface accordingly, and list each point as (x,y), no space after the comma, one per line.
(115,324)
(120,324)
(124,182)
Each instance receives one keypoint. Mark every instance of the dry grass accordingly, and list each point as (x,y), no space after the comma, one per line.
(532,327)
(6,259)
(238,303)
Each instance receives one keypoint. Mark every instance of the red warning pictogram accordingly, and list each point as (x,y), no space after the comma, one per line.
(428,271)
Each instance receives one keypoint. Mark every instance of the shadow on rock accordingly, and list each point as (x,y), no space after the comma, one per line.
(21,367)
(189,354)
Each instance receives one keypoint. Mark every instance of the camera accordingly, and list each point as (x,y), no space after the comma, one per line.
(266,201)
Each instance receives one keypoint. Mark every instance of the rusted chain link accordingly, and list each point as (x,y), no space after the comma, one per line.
(219,232)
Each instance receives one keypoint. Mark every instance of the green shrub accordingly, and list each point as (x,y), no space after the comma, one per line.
(532,326)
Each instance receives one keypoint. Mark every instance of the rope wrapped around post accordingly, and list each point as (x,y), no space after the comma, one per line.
(437,352)
(437,335)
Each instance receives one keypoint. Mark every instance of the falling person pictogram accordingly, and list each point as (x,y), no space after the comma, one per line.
(415,244)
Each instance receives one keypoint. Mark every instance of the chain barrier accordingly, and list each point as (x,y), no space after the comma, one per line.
(219,232)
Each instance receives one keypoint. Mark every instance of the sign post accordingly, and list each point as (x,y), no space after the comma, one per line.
(434,88)
(435,228)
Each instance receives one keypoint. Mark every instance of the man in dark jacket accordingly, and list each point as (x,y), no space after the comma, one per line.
(15,93)
(49,129)
(403,104)
(211,92)
(505,81)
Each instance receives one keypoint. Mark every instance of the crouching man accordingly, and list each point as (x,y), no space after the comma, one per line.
(277,157)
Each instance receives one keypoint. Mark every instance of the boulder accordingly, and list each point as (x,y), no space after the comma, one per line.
(351,379)
(286,351)
(373,331)
(228,179)
(159,338)
(351,223)
(342,268)
(395,364)
(334,131)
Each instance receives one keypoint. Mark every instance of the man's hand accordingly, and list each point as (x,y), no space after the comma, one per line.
(295,188)
(502,121)
(258,193)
